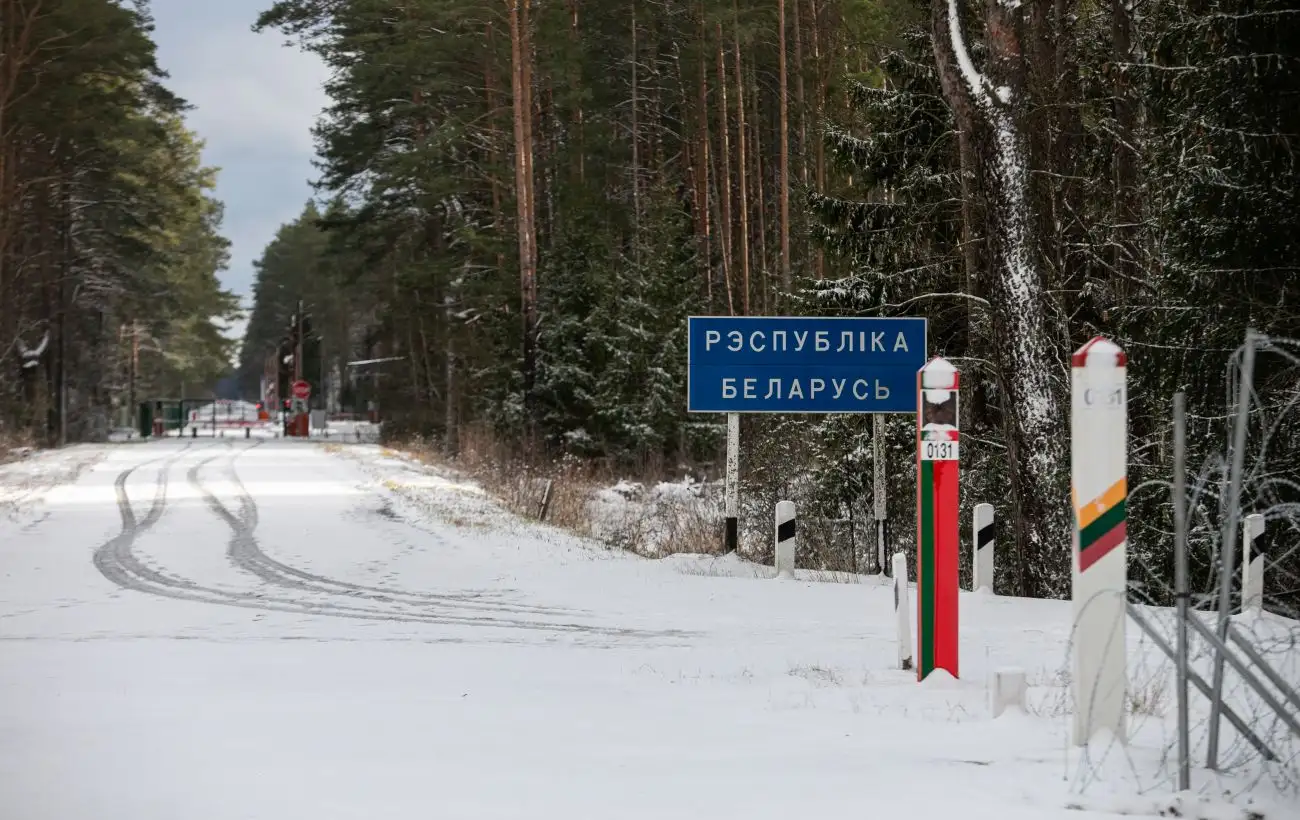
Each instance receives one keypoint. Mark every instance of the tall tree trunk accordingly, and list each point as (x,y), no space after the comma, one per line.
(742,167)
(521,82)
(800,98)
(725,229)
(1019,302)
(576,42)
(1127,213)
(494,138)
(785,150)
(702,165)
(765,303)
(451,404)
(636,140)
(823,78)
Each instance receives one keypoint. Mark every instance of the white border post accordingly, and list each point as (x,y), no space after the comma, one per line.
(1099,489)
(982,545)
(902,612)
(785,539)
(1252,565)
(731,538)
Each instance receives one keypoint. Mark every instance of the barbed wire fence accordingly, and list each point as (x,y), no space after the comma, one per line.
(1214,681)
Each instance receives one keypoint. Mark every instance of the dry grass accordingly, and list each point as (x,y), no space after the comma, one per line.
(817,675)
(653,527)
(707,570)
(1049,695)
(1150,697)
(14,446)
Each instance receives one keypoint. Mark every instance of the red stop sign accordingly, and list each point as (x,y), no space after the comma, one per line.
(301,390)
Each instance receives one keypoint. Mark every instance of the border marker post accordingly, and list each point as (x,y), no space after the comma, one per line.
(937,499)
(785,539)
(1099,497)
(982,538)
(1252,563)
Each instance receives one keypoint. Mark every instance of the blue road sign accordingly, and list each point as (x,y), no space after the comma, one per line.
(767,364)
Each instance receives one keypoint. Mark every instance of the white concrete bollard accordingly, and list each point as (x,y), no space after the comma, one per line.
(902,612)
(1252,566)
(982,539)
(1008,690)
(785,539)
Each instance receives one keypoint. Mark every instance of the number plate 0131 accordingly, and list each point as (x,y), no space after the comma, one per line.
(939,451)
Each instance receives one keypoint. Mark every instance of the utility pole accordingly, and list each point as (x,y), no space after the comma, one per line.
(135,364)
(297,337)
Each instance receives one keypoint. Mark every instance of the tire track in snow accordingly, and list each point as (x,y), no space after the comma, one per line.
(246,553)
(117,561)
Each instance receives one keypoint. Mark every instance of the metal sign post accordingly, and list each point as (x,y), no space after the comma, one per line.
(878,488)
(732,535)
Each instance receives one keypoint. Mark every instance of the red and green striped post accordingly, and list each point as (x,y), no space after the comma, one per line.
(937,535)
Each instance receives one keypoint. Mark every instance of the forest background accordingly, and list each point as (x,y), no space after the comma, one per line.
(523,200)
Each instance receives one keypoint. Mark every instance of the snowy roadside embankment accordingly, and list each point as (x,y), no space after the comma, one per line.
(26,474)
(678,523)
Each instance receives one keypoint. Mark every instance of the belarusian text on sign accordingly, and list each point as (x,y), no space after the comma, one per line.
(803,365)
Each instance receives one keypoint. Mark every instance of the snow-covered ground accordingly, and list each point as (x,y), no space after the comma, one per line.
(272,629)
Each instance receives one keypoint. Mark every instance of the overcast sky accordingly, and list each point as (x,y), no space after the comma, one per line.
(255,101)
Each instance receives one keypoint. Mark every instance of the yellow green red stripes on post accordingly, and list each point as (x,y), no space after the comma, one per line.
(1103,524)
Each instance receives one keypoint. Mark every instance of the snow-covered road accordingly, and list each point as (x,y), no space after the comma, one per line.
(268,630)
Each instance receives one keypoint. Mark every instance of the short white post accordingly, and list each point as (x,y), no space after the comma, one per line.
(1008,690)
(902,612)
(982,539)
(785,539)
(1252,566)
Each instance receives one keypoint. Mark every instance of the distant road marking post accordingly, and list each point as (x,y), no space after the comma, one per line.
(937,534)
(772,364)
(1099,490)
